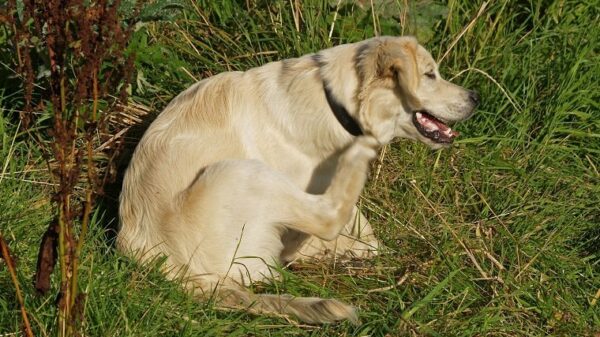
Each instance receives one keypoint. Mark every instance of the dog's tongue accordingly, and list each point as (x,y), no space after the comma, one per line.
(431,124)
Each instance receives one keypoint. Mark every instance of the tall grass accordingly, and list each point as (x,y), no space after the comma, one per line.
(497,236)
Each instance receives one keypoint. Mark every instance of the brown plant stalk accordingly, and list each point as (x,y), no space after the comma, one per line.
(10,263)
(82,44)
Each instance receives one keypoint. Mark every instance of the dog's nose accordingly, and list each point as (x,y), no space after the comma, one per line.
(474,97)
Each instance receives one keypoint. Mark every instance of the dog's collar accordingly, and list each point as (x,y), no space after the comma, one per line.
(341,114)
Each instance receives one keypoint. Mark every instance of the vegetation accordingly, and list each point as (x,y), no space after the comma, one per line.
(497,236)
(72,54)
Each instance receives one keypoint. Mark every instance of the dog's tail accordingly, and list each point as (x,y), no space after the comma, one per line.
(305,309)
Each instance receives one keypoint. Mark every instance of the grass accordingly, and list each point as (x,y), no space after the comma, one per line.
(497,236)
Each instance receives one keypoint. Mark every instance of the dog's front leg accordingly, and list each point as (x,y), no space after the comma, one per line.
(357,238)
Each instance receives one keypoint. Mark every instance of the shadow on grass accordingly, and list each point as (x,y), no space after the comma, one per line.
(108,203)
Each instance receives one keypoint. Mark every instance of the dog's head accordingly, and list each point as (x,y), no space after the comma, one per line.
(402,94)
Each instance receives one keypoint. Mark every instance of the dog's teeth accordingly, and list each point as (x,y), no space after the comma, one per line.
(427,123)
(431,126)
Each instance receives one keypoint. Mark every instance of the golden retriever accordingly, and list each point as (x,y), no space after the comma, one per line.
(247,170)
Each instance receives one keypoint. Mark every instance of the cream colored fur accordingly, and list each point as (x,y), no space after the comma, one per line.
(246,170)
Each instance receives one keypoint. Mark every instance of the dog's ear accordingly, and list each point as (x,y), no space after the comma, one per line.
(393,59)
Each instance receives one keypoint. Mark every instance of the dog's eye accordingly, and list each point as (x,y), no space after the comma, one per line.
(431,75)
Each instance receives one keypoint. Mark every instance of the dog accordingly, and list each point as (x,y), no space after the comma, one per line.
(248,170)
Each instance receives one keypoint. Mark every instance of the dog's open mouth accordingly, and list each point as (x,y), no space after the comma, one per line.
(433,128)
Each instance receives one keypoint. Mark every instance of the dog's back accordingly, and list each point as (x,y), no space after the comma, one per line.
(169,156)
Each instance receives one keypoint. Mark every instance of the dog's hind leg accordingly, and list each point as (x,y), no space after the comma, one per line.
(229,224)
(239,208)
(325,215)
(356,240)
(246,195)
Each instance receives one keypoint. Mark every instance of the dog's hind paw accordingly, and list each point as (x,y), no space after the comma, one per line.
(368,141)
(364,148)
